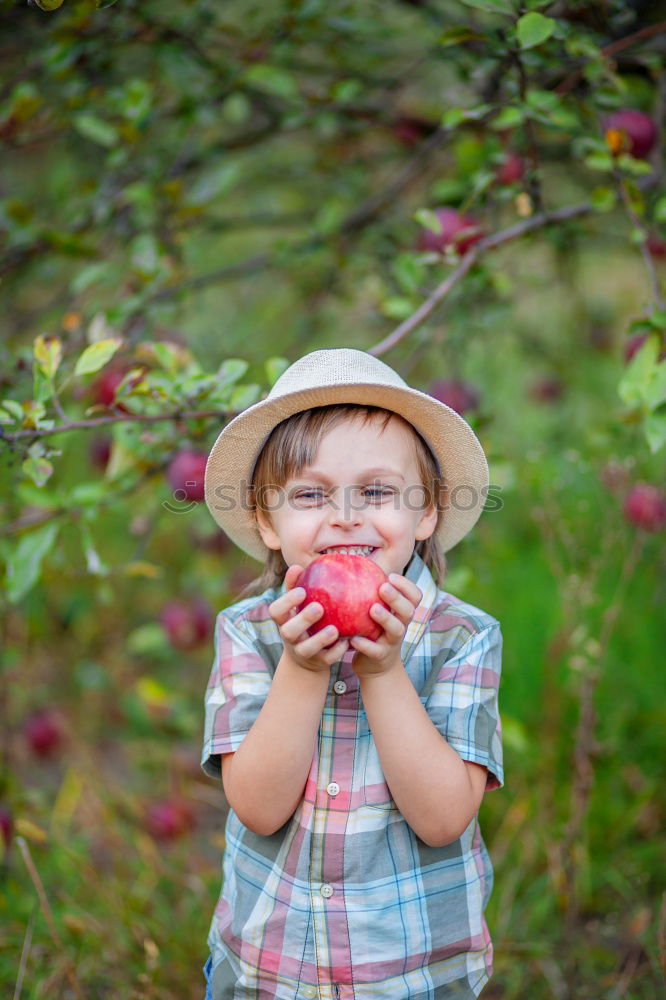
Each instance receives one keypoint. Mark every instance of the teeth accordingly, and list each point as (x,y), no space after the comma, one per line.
(350,550)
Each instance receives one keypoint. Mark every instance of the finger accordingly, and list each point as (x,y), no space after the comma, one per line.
(295,627)
(311,645)
(367,647)
(292,575)
(397,602)
(282,607)
(406,587)
(392,625)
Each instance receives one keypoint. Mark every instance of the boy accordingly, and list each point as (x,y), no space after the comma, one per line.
(354,866)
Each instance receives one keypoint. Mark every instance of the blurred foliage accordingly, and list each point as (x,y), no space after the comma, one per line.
(191,196)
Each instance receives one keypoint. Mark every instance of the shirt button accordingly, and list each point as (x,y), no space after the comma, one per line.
(339,687)
(309,991)
(333,788)
(326,890)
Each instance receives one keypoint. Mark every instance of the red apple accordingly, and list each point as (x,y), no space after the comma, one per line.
(188,624)
(458,231)
(630,131)
(548,389)
(511,169)
(6,827)
(185,475)
(645,507)
(43,732)
(169,819)
(346,587)
(99,451)
(656,245)
(456,393)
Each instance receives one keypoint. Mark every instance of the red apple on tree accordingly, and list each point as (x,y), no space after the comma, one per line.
(185,475)
(188,624)
(169,819)
(346,586)
(630,131)
(6,828)
(43,732)
(645,507)
(456,393)
(457,231)
(511,169)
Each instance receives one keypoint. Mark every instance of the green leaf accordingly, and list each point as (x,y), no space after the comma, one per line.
(459,35)
(96,129)
(274,368)
(93,561)
(637,168)
(491,6)
(49,4)
(599,161)
(213,183)
(48,354)
(272,79)
(429,220)
(660,209)
(533,29)
(25,561)
(634,385)
(398,307)
(37,467)
(603,199)
(508,117)
(244,396)
(655,430)
(14,408)
(97,355)
(230,371)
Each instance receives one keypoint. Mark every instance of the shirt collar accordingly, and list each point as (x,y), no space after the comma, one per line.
(417,572)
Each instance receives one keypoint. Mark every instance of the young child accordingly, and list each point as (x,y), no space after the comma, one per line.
(354,867)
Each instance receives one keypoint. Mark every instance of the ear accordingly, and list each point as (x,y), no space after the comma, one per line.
(427,524)
(267,531)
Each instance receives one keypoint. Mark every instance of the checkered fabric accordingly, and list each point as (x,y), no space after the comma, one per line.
(345,901)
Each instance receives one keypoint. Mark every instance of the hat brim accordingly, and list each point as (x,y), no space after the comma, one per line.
(458,451)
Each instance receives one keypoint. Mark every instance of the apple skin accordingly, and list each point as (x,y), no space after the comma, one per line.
(6,828)
(44,733)
(461,396)
(459,232)
(169,819)
(645,507)
(188,624)
(346,587)
(185,475)
(630,131)
(511,169)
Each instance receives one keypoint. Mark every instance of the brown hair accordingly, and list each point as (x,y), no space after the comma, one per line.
(292,446)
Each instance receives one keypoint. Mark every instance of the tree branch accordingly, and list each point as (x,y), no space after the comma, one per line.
(468,261)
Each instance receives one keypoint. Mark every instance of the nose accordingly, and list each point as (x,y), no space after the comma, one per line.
(344,512)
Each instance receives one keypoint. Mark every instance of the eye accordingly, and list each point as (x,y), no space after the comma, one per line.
(308,497)
(378,493)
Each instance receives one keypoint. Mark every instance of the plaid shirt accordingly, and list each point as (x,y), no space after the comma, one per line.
(345,902)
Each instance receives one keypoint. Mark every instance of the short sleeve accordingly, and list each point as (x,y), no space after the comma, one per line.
(463,702)
(237,688)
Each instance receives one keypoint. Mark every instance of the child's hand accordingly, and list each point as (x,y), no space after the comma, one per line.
(381,655)
(311,652)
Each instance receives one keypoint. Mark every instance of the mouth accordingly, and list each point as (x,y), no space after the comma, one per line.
(349,550)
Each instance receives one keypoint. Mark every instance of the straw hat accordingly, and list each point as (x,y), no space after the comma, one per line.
(344,375)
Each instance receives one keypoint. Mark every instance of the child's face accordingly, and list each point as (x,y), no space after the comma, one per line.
(362,494)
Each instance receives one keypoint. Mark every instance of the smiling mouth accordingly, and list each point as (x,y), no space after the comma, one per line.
(349,550)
